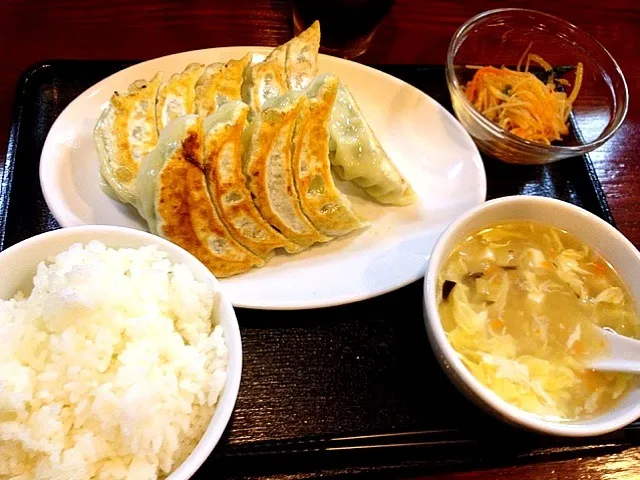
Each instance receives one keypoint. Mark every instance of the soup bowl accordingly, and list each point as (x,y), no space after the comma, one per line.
(589,229)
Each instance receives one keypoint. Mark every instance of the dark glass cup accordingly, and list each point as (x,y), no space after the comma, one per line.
(347,26)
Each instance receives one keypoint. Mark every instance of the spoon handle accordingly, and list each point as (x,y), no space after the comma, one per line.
(623,354)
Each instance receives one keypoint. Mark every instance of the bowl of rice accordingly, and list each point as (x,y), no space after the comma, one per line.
(121,358)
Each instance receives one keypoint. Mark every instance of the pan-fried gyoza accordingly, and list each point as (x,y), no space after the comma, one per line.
(234,161)
(176,204)
(223,150)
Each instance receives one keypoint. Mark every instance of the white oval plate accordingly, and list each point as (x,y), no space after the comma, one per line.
(427,144)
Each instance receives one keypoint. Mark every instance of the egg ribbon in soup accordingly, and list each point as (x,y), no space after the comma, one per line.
(520,302)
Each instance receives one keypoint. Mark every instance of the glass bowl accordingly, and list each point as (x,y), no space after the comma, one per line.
(500,37)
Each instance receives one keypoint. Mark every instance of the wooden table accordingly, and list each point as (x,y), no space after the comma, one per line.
(416,31)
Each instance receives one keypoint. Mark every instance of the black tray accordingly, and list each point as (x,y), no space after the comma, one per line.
(350,389)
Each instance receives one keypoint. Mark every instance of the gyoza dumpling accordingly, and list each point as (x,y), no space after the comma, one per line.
(267,166)
(290,66)
(263,81)
(358,156)
(176,96)
(299,57)
(125,133)
(327,208)
(227,185)
(176,204)
(219,83)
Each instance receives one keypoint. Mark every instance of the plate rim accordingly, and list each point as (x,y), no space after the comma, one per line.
(65,220)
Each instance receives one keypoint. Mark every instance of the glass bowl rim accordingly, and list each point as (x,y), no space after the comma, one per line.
(558,150)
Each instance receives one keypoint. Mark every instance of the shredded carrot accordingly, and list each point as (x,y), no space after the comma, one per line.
(521,103)
(524,54)
(496,325)
(578,347)
(540,61)
(600,268)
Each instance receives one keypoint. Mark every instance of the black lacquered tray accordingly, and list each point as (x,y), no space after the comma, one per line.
(343,390)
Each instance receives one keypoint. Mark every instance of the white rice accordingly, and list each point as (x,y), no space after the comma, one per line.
(110,369)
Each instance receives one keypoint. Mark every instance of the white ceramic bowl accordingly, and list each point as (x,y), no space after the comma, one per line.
(595,232)
(18,266)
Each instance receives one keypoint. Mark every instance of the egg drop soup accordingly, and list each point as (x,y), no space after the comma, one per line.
(520,303)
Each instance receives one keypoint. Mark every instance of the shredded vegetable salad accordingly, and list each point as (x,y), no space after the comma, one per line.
(519,303)
(523,104)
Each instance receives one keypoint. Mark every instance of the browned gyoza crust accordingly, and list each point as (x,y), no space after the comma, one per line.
(290,66)
(187,216)
(125,134)
(225,179)
(269,175)
(299,57)
(328,209)
(263,81)
(176,96)
(218,84)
